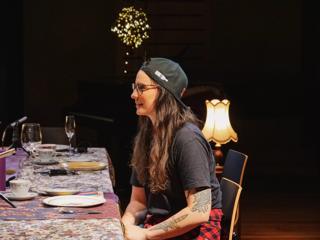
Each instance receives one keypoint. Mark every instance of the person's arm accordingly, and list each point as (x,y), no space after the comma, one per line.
(197,212)
(136,205)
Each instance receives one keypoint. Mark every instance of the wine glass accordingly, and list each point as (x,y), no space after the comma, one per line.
(70,128)
(31,136)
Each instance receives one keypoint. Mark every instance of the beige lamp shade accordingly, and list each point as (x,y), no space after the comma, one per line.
(217,127)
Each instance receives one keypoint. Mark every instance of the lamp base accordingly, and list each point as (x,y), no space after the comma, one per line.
(218,156)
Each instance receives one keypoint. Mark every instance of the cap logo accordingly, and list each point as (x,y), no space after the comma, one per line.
(160,75)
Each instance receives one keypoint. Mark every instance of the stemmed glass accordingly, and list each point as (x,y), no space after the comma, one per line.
(31,136)
(70,128)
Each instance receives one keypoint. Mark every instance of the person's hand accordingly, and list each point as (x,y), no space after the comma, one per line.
(133,232)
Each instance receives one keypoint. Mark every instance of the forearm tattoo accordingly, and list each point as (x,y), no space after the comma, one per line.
(171,224)
(201,201)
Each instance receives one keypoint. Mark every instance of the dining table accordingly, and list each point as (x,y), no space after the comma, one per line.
(42,216)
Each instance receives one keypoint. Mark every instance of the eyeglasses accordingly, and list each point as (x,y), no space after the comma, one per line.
(142,87)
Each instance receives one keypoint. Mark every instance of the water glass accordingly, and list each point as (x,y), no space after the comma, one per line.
(31,136)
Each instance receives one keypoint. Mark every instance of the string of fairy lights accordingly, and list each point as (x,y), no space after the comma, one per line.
(132,28)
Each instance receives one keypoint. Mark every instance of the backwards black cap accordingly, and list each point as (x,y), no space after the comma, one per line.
(167,74)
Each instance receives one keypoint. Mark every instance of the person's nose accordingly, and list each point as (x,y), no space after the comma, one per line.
(134,94)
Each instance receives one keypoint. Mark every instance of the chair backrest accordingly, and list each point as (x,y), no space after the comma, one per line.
(55,135)
(234,166)
(230,199)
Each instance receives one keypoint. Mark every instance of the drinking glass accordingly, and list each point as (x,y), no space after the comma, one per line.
(31,136)
(70,128)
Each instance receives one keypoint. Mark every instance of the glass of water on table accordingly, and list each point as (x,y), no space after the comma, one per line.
(31,137)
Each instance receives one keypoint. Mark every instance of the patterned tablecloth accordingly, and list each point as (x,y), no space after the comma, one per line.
(107,229)
(33,220)
(13,163)
(84,181)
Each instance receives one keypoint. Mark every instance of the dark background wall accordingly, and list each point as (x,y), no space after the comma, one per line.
(60,57)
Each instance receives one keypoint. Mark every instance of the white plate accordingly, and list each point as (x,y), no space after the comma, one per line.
(73,201)
(30,195)
(44,162)
(81,158)
(60,191)
(61,147)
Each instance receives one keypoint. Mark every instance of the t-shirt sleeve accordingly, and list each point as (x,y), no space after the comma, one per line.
(192,162)
(134,179)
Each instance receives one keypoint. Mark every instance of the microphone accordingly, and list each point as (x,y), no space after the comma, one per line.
(18,121)
(14,132)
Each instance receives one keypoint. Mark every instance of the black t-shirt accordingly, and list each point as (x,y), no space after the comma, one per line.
(191,165)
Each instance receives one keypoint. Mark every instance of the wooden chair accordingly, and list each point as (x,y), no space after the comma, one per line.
(230,199)
(233,169)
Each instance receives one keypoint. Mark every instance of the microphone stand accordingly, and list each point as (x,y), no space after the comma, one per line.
(16,143)
(4,136)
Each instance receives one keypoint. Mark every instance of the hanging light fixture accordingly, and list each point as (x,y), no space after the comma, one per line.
(132,28)
(217,127)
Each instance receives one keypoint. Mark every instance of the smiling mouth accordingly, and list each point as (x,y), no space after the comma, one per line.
(138,105)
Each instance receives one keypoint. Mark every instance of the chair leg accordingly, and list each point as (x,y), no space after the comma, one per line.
(237,228)
(235,236)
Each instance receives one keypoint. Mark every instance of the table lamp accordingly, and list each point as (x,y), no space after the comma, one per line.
(217,127)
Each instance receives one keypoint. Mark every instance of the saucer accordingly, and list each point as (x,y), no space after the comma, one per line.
(45,162)
(29,195)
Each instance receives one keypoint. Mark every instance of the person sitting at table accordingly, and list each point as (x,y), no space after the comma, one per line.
(173,176)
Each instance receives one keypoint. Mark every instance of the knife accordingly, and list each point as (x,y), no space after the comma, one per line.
(7,200)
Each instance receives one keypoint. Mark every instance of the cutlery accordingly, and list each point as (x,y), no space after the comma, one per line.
(71,211)
(56,172)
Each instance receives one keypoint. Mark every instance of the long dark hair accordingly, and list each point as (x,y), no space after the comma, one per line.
(152,143)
